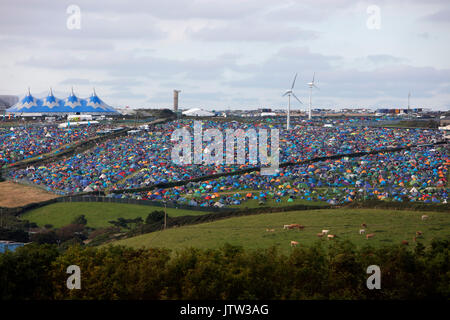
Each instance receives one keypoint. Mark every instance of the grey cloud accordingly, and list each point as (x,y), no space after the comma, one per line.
(253,31)
(41,21)
(124,65)
(384,58)
(442,16)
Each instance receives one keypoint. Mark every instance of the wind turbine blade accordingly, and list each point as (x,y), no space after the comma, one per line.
(314,77)
(296,98)
(316,87)
(285,94)
(293,83)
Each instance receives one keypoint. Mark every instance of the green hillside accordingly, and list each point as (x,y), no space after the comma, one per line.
(389,226)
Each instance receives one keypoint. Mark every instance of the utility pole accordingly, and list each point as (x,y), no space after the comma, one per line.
(165,215)
(288,120)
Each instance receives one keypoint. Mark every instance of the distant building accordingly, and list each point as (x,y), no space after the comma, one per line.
(197,112)
(175,100)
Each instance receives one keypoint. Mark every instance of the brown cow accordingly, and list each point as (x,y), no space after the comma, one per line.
(363,225)
(370,235)
(295,226)
(419,233)
(294,243)
(320,235)
(405,242)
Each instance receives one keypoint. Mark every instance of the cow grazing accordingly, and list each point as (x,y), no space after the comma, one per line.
(361,231)
(294,243)
(320,235)
(419,233)
(293,226)
(363,225)
(325,231)
(331,236)
(370,235)
(405,242)
(424,217)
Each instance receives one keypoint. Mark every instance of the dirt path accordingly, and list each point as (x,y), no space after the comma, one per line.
(16,195)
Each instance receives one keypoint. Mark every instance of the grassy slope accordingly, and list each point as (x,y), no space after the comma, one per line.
(97,214)
(389,226)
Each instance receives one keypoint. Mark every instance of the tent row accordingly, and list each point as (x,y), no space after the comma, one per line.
(51,104)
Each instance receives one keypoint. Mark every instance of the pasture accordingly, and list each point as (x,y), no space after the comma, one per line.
(97,214)
(390,227)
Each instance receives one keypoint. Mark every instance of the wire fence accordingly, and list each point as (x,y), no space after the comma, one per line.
(89,198)
(167,204)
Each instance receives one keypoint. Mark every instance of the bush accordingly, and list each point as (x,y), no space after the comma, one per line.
(14,235)
(80,220)
(70,231)
(155,216)
(123,223)
(45,238)
(333,271)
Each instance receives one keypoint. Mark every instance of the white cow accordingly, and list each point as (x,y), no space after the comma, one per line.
(361,231)
(325,231)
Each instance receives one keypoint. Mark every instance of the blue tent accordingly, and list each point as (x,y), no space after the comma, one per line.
(71,104)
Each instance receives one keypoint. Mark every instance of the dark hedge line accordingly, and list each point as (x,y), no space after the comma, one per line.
(209,217)
(337,270)
(418,206)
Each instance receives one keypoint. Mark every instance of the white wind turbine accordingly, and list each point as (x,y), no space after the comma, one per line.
(289,93)
(311,85)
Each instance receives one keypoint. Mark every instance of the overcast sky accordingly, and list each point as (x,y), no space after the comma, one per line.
(236,54)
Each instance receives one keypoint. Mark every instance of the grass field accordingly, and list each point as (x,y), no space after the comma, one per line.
(97,214)
(389,226)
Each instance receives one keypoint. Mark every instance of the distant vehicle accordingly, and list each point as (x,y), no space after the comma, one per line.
(79,117)
(268,114)
(133,131)
(76,124)
(328,125)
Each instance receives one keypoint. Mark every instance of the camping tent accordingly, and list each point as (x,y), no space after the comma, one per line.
(197,112)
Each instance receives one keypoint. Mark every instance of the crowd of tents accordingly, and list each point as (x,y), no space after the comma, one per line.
(19,143)
(419,174)
(144,159)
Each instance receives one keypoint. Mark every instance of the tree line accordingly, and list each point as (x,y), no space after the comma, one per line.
(337,270)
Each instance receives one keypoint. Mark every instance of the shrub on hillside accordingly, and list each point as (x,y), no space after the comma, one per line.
(333,271)
(155,216)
